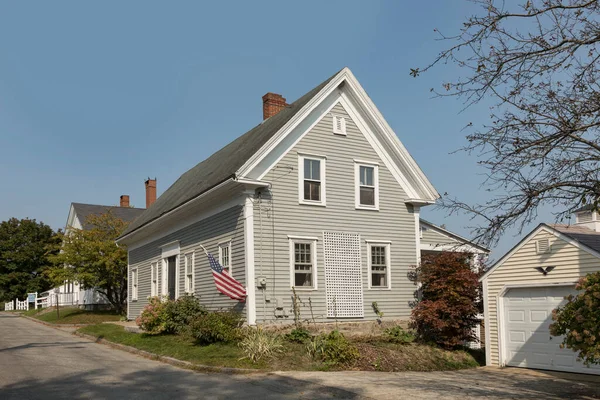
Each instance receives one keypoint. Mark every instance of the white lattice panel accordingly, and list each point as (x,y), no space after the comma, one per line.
(343,275)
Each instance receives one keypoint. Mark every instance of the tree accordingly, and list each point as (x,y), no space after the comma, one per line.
(447,309)
(537,62)
(579,320)
(92,258)
(23,257)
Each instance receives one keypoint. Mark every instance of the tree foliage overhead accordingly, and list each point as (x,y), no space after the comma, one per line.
(448,307)
(537,62)
(92,258)
(24,257)
(579,320)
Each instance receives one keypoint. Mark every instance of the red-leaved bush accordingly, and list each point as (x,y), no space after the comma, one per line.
(579,320)
(447,308)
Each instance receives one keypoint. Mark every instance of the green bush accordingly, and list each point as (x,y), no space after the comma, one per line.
(153,316)
(179,313)
(398,335)
(215,327)
(258,344)
(332,348)
(299,335)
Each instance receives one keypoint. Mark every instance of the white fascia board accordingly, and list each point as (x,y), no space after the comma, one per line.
(459,247)
(526,239)
(455,237)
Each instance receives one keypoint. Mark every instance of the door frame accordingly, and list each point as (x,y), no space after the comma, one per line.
(169,250)
(500,320)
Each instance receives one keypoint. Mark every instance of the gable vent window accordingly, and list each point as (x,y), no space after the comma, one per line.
(339,125)
(543,246)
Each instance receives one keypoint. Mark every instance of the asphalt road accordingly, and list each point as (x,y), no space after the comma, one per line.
(39,362)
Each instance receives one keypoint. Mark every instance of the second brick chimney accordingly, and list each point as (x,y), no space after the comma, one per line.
(272,104)
(124,201)
(150,192)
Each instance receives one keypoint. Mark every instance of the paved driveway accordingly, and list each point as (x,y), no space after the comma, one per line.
(37,362)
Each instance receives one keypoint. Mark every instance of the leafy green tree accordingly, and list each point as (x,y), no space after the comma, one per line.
(92,258)
(447,309)
(24,256)
(579,320)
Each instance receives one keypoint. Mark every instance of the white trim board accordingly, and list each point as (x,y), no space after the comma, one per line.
(526,239)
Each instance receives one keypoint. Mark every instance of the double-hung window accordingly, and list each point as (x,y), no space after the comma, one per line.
(311,179)
(367,185)
(225,256)
(303,263)
(379,265)
(189,273)
(154,279)
(134,284)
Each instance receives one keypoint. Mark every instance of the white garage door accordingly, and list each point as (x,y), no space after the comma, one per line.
(527,317)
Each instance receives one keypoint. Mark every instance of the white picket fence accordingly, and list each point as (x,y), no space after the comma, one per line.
(22,305)
(10,306)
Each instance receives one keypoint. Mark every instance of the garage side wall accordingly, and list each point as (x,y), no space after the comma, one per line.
(570,264)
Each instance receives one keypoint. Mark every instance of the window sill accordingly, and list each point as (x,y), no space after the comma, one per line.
(383,289)
(308,203)
(300,289)
(367,208)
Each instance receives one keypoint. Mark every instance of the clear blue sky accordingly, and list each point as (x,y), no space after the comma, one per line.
(97,96)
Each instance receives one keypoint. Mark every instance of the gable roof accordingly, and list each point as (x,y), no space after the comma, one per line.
(453,235)
(83,211)
(223,164)
(588,207)
(579,236)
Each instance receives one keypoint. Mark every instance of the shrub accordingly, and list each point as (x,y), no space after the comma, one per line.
(258,344)
(579,319)
(152,318)
(447,310)
(298,335)
(398,335)
(215,327)
(332,348)
(179,313)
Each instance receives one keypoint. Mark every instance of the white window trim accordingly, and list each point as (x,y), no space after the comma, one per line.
(387,245)
(375,166)
(322,159)
(313,249)
(189,259)
(343,131)
(221,245)
(154,284)
(134,284)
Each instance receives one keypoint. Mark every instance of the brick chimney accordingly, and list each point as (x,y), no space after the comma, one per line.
(272,104)
(150,192)
(124,201)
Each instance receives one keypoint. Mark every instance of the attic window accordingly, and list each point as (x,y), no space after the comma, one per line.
(584,216)
(339,125)
(543,246)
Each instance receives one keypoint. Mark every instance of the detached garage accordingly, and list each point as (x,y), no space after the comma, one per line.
(524,286)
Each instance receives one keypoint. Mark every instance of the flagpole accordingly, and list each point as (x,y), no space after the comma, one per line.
(205,252)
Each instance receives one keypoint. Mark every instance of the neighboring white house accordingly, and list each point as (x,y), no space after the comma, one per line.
(72,293)
(320,197)
(531,280)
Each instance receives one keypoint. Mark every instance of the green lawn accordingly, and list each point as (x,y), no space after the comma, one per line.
(74,315)
(375,355)
(222,355)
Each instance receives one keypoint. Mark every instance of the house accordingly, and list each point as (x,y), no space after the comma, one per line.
(525,285)
(320,197)
(72,293)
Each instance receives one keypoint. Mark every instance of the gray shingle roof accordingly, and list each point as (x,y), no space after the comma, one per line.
(583,235)
(83,211)
(223,164)
(587,207)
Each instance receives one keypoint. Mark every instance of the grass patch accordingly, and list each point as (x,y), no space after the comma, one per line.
(74,315)
(31,312)
(221,355)
(375,354)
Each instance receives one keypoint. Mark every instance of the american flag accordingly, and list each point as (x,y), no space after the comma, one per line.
(225,282)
